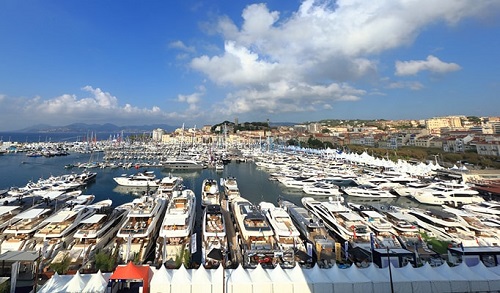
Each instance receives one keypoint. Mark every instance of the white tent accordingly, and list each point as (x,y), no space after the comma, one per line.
(201,280)
(298,279)
(261,283)
(218,277)
(161,281)
(438,282)
(476,282)
(281,282)
(379,281)
(96,284)
(361,283)
(51,285)
(181,280)
(458,282)
(419,283)
(399,281)
(341,283)
(239,281)
(76,284)
(319,280)
(492,278)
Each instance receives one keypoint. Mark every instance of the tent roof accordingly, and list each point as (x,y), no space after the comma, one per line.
(132,272)
(76,284)
(201,276)
(97,283)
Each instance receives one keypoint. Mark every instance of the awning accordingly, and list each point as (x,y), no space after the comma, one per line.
(94,219)
(31,214)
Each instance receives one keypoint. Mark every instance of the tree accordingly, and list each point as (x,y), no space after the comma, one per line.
(104,262)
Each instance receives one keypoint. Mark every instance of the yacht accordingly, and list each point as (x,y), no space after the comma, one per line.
(168,185)
(182,164)
(230,186)
(313,229)
(444,225)
(256,237)
(7,213)
(491,208)
(368,192)
(176,228)
(209,192)
(447,193)
(343,221)
(141,179)
(286,234)
(322,188)
(96,232)
(22,227)
(58,230)
(137,235)
(214,244)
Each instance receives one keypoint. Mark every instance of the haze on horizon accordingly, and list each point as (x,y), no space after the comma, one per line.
(203,62)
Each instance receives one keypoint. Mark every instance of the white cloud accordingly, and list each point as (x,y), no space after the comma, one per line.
(269,59)
(181,46)
(413,85)
(432,64)
(99,107)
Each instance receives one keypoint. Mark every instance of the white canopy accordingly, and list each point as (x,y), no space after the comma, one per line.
(181,280)
(201,280)
(261,282)
(239,281)
(93,219)
(31,214)
(96,284)
(160,282)
(318,280)
(76,284)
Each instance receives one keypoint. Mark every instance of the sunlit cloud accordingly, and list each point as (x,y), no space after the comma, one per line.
(432,64)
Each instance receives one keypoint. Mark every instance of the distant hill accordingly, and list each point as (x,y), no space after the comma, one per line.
(108,127)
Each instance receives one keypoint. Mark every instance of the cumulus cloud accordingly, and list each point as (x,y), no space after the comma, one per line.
(98,107)
(279,64)
(192,99)
(432,64)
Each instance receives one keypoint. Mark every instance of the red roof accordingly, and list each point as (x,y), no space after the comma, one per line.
(132,272)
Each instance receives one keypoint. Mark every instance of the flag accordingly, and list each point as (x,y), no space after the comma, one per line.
(372,242)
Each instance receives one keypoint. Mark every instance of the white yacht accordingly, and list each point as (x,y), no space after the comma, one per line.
(136,236)
(230,186)
(176,227)
(313,229)
(22,227)
(343,221)
(182,164)
(368,192)
(322,188)
(58,231)
(444,225)
(209,192)
(141,179)
(286,234)
(447,193)
(168,185)
(95,233)
(256,235)
(214,243)
(484,208)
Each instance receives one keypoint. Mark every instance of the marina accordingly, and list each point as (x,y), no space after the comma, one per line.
(230,218)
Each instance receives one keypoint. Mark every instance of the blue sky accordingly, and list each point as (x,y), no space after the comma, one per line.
(203,62)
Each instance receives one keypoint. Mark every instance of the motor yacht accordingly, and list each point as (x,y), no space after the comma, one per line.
(256,237)
(137,235)
(141,179)
(176,228)
(313,229)
(286,234)
(447,193)
(230,186)
(209,192)
(214,243)
(168,185)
